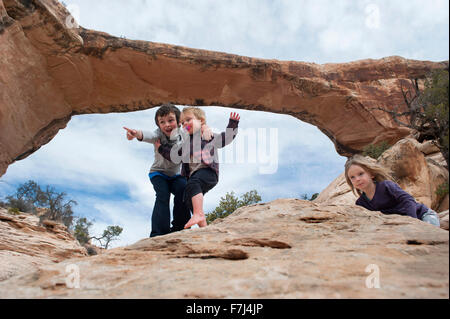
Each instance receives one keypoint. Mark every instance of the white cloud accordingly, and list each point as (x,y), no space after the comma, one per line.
(107,174)
(315,31)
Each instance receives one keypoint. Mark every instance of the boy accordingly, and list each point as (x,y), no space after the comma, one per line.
(202,167)
(165,175)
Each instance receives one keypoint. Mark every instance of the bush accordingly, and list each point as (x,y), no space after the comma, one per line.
(13,211)
(230,203)
(30,195)
(427,110)
(442,190)
(375,150)
(305,196)
(81,230)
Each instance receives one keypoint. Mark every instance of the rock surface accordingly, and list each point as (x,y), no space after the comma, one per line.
(25,245)
(54,70)
(286,248)
(443,217)
(418,173)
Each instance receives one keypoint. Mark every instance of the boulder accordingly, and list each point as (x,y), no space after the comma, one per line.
(414,173)
(443,216)
(25,244)
(417,174)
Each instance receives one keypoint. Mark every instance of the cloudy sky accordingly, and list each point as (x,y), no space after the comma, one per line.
(93,162)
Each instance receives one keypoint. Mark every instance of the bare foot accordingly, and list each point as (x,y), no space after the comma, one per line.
(196,219)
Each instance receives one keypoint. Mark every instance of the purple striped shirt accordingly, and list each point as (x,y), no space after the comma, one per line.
(204,152)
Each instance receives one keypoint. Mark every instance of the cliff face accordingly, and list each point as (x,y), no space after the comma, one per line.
(51,71)
(286,248)
(25,245)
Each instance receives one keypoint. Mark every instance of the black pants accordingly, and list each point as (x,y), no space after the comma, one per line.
(161,211)
(201,181)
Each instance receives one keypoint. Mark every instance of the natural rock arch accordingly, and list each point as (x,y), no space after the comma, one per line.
(50,72)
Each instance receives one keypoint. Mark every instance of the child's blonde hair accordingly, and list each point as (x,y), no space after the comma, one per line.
(198,113)
(379,173)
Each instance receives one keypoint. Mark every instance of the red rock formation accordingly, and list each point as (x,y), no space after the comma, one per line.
(418,168)
(25,244)
(50,72)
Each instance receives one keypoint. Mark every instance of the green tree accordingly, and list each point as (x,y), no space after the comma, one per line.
(427,110)
(82,233)
(25,197)
(375,150)
(30,195)
(81,230)
(110,234)
(230,203)
(58,208)
(305,196)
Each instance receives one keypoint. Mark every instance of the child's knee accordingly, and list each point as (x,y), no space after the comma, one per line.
(192,189)
(163,196)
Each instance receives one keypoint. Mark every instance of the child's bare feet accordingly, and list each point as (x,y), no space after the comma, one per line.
(196,219)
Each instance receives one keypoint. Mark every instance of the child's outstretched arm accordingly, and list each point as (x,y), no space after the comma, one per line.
(225,138)
(404,199)
(131,134)
(143,136)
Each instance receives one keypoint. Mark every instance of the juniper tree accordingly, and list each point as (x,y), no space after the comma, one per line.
(426,110)
(30,195)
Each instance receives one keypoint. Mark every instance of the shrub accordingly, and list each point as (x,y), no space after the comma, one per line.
(375,150)
(442,190)
(13,211)
(230,203)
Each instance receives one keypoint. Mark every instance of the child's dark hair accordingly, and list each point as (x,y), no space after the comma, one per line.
(166,109)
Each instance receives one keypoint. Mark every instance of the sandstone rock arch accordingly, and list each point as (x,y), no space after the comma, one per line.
(50,72)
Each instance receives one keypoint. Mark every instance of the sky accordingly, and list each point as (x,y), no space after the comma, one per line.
(93,162)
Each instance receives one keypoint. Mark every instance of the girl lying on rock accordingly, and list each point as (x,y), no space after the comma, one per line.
(377,192)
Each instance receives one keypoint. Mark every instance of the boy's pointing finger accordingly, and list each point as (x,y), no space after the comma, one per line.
(130,130)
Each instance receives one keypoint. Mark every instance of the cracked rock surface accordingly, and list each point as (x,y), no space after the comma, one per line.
(286,248)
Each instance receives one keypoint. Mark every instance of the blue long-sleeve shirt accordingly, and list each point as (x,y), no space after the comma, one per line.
(389,198)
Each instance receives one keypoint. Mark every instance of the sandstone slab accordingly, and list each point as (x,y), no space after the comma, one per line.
(25,245)
(286,248)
